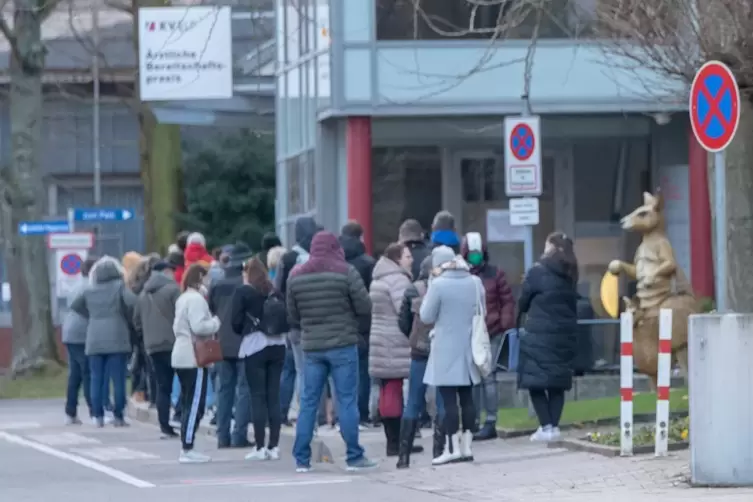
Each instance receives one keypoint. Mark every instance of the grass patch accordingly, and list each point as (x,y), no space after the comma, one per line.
(590,410)
(47,384)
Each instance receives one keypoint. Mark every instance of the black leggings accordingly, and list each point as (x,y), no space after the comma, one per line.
(548,405)
(263,371)
(450,397)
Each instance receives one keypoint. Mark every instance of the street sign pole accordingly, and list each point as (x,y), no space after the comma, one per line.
(720,209)
(71,220)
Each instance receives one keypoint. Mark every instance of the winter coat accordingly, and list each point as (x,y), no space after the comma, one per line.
(154,313)
(326,297)
(355,254)
(450,304)
(220,299)
(389,350)
(74,324)
(192,319)
(547,350)
(108,305)
(268,241)
(197,253)
(500,304)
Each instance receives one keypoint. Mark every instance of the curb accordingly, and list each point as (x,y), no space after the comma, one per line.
(602,422)
(585,446)
(320,452)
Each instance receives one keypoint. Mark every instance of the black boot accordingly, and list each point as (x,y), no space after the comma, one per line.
(407,435)
(488,431)
(438,440)
(392,434)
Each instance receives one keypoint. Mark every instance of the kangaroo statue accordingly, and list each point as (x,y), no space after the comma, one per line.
(661,284)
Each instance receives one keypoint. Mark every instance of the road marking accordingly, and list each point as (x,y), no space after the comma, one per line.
(62,439)
(76,459)
(19,425)
(251,483)
(108,453)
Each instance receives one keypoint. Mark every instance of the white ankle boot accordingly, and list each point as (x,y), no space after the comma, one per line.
(451,451)
(466,453)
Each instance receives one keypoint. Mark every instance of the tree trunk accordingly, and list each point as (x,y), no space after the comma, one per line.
(160,164)
(26,256)
(739,156)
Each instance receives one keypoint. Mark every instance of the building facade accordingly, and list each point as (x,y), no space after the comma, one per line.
(382,117)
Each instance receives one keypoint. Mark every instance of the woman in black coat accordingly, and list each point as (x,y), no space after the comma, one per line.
(547,349)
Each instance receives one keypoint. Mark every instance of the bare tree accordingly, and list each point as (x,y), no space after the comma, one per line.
(673,38)
(21,188)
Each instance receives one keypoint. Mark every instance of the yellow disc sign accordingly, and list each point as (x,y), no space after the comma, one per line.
(610,298)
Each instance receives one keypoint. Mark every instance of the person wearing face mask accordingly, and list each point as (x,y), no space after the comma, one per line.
(500,316)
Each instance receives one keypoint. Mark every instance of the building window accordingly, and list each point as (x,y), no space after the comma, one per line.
(295,200)
(483,179)
(311,182)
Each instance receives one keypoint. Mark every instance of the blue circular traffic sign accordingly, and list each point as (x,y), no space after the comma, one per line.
(522,141)
(714,106)
(70,264)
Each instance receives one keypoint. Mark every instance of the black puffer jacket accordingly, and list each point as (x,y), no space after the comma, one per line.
(405,316)
(355,254)
(419,250)
(547,349)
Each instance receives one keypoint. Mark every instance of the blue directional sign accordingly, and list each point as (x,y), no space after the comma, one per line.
(43,227)
(102,214)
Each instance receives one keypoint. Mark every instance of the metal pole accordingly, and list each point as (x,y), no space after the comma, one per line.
(95,106)
(720,201)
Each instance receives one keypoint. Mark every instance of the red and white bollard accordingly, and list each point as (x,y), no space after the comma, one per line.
(626,384)
(663,383)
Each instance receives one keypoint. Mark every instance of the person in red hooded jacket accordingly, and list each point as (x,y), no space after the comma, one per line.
(500,316)
(196,251)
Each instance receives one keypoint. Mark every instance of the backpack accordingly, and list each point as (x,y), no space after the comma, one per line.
(419,333)
(275,315)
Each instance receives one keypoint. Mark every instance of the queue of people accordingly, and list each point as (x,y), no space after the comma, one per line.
(324,328)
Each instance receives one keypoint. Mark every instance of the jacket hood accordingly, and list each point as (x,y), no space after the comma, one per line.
(106,269)
(352,247)
(269,241)
(156,281)
(326,255)
(326,245)
(410,231)
(196,252)
(384,267)
(473,241)
(557,267)
(305,228)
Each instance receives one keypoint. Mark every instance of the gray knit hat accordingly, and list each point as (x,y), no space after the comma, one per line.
(441,255)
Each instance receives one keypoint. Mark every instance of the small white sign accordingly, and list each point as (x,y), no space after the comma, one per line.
(499,229)
(523,156)
(524,211)
(72,240)
(68,270)
(185,53)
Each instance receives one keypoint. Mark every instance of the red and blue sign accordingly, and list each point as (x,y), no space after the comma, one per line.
(522,141)
(70,264)
(714,106)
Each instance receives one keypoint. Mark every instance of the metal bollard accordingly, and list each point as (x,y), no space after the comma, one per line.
(626,384)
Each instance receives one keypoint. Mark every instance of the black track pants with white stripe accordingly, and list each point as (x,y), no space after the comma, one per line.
(193,394)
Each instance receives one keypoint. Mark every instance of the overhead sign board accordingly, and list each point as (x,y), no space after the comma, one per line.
(102,214)
(714,106)
(72,240)
(185,53)
(523,156)
(42,227)
(524,211)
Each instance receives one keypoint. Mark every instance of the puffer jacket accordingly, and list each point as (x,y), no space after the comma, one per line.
(547,350)
(196,253)
(108,304)
(326,297)
(389,350)
(405,319)
(500,304)
(74,324)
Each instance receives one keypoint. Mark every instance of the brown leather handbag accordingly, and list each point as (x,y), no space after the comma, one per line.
(207,349)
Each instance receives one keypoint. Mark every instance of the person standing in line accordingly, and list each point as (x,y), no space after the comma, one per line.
(289,376)
(108,305)
(389,351)
(153,319)
(74,338)
(443,231)
(143,380)
(412,235)
(233,397)
(500,316)
(351,240)
(263,353)
(450,303)
(196,251)
(549,300)
(268,241)
(192,319)
(326,297)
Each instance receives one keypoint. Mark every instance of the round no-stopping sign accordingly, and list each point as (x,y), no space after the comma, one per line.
(70,264)
(522,142)
(714,106)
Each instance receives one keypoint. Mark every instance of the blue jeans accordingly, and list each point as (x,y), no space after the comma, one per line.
(287,382)
(416,404)
(78,377)
(232,393)
(342,365)
(104,369)
(364,383)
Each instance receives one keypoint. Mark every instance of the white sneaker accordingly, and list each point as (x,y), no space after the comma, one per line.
(303,469)
(542,434)
(193,457)
(273,453)
(258,454)
(555,434)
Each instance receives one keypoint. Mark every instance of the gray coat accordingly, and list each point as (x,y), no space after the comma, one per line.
(154,313)
(74,324)
(108,331)
(450,304)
